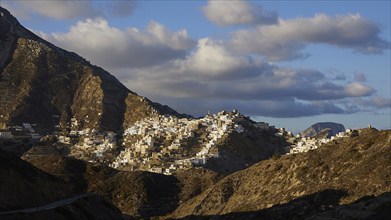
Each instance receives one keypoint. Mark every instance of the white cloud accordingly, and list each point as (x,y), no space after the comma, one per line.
(213,60)
(358,89)
(229,12)
(285,40)
(156,34)
(111,47)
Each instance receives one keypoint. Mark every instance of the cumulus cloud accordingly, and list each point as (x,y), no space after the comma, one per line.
(111,47)
(70,9)
(285,40)
(225,13)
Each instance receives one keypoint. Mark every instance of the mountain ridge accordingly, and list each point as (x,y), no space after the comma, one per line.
(47,85)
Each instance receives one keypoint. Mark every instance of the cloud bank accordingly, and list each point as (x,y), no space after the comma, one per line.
(212,76)
(286,40)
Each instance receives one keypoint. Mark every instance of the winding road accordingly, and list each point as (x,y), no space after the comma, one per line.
(52,205)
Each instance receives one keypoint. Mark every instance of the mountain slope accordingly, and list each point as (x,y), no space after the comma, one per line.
(139,194)
(41,83)
(23,185)
(357,166)
(134,193)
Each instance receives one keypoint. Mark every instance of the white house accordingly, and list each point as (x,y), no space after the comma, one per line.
(6,134)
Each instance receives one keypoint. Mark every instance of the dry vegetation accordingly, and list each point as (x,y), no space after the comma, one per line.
(355,167)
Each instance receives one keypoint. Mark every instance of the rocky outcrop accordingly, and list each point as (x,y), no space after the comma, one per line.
(43,84)
(324,129)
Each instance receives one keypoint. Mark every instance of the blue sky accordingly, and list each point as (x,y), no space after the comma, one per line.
(289,63)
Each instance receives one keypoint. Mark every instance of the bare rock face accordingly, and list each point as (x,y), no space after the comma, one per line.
(43,84)
(326,129)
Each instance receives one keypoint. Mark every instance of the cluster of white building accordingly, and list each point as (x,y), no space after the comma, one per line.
(90,142)
(161,144)
(26,131)
(310,143)
(157,144)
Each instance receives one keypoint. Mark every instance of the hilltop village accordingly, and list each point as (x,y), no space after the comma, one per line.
(163,143)
(160,144)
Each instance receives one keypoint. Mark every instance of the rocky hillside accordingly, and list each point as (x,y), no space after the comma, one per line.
(23,186)
(194,181)
(43,84)
(319,206)
(324,129)
(347,169)
(241,150)
(322,182)
(138,194)
(134,193)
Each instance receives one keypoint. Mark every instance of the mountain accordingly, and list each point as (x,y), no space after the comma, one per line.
(46,85)
(324,129)
(337,173)
(342,178)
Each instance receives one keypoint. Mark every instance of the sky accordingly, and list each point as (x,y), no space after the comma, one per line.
(288,63)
